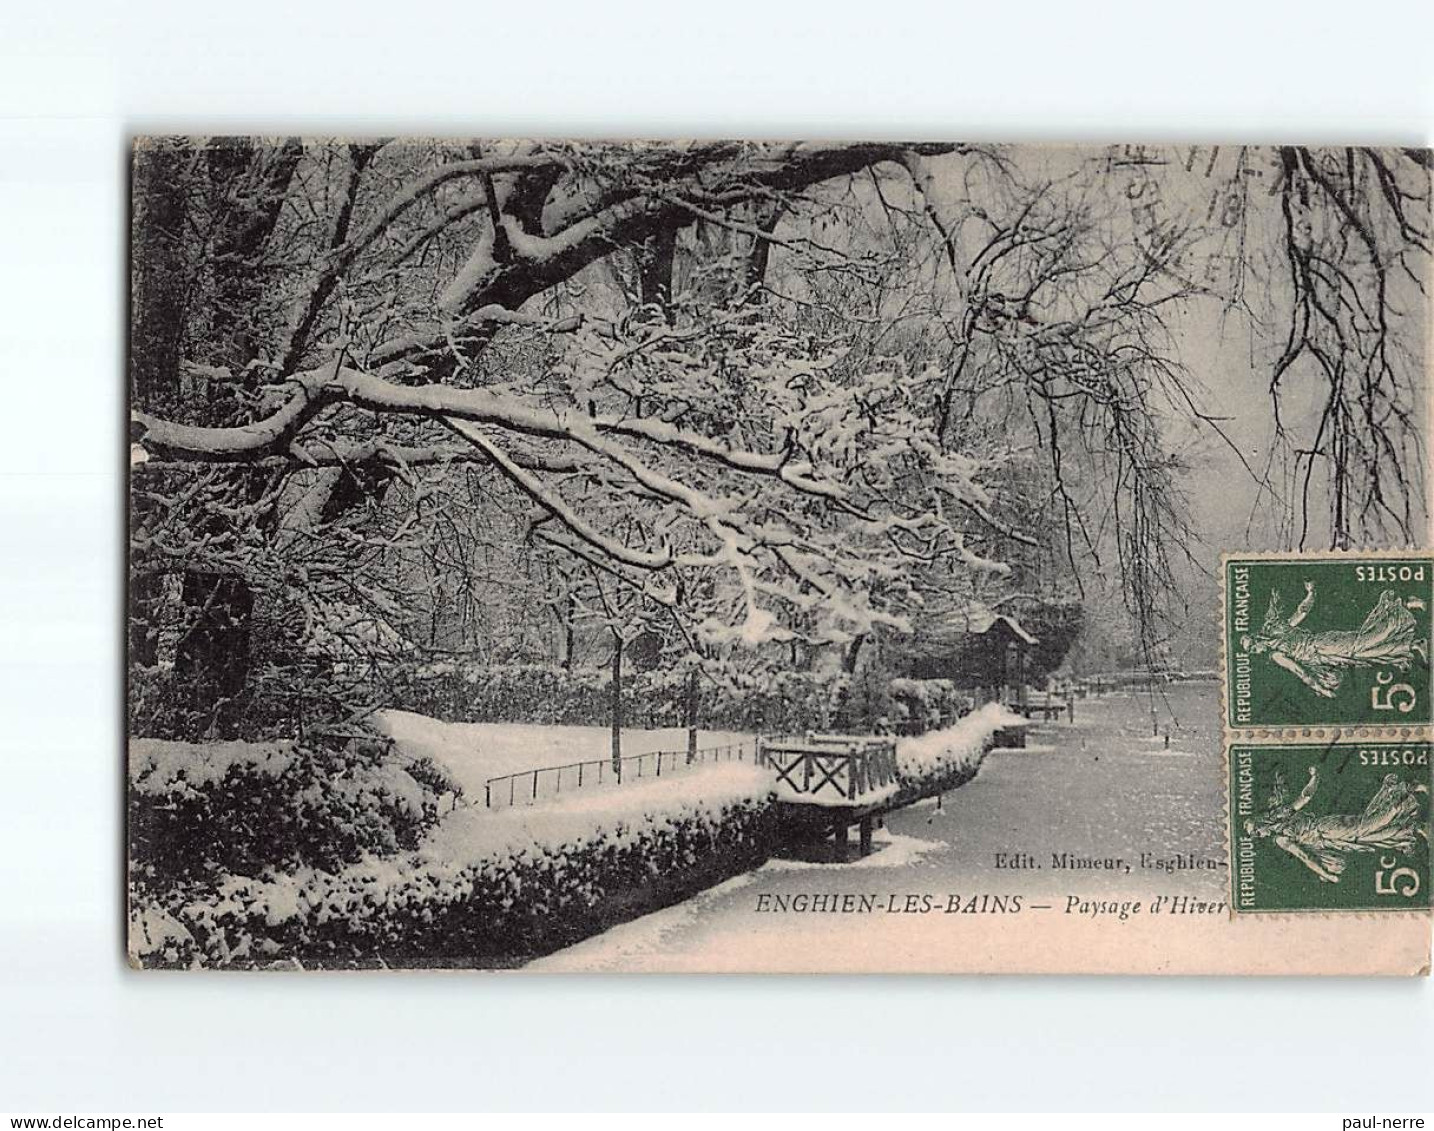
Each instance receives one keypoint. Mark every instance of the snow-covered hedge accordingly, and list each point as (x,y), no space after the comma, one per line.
(485,887)
(779,703)
(929,702)
(198,810)
(481,887)
(520,693)
(950,757)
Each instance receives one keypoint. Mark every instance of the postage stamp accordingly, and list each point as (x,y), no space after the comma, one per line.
(1337,640)
(1333,827)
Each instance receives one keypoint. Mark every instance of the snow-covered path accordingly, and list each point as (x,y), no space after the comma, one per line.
(1101,790)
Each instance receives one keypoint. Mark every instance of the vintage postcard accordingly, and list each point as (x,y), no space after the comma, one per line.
(727,556)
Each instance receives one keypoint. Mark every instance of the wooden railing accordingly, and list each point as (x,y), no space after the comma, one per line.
(831,766)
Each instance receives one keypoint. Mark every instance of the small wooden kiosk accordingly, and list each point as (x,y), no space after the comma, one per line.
(997,660)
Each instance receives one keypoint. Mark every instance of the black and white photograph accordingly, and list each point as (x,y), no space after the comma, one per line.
(625,559)
(741,556)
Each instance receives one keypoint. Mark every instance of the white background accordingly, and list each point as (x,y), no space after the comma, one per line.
(79,1032)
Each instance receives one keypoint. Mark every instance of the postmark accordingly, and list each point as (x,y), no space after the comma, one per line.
(1333,827)
(1327,640)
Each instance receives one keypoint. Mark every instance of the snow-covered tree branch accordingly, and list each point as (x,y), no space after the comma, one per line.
(778,395)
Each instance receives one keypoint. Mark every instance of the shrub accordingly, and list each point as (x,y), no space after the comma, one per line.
(923,704)
(868,706)
(490,900)
(253,809)
(777,703)
(482,887)
(948,758)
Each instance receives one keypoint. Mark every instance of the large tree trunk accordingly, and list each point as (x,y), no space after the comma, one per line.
(158,285)
(761,255)
(655,270)
(158,277)
(246,189)
(213,659)
(853,653)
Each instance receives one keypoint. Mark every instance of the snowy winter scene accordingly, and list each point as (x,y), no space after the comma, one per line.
(726,556)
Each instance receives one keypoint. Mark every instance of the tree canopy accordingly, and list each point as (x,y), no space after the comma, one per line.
(397,395)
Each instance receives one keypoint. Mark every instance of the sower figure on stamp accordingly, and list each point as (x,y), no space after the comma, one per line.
(1389,637)
(1390,822)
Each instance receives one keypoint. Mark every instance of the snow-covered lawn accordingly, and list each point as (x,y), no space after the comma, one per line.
(472,834)
(475,752)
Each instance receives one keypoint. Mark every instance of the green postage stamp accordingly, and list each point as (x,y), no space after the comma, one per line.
(1336,640)
(1337,827)
(1327,667)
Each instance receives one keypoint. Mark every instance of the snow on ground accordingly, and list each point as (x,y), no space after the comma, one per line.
(473,833)
(627,944)
(1094,789)
(475,752)
(653,938)
(471,837)
(466,748)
